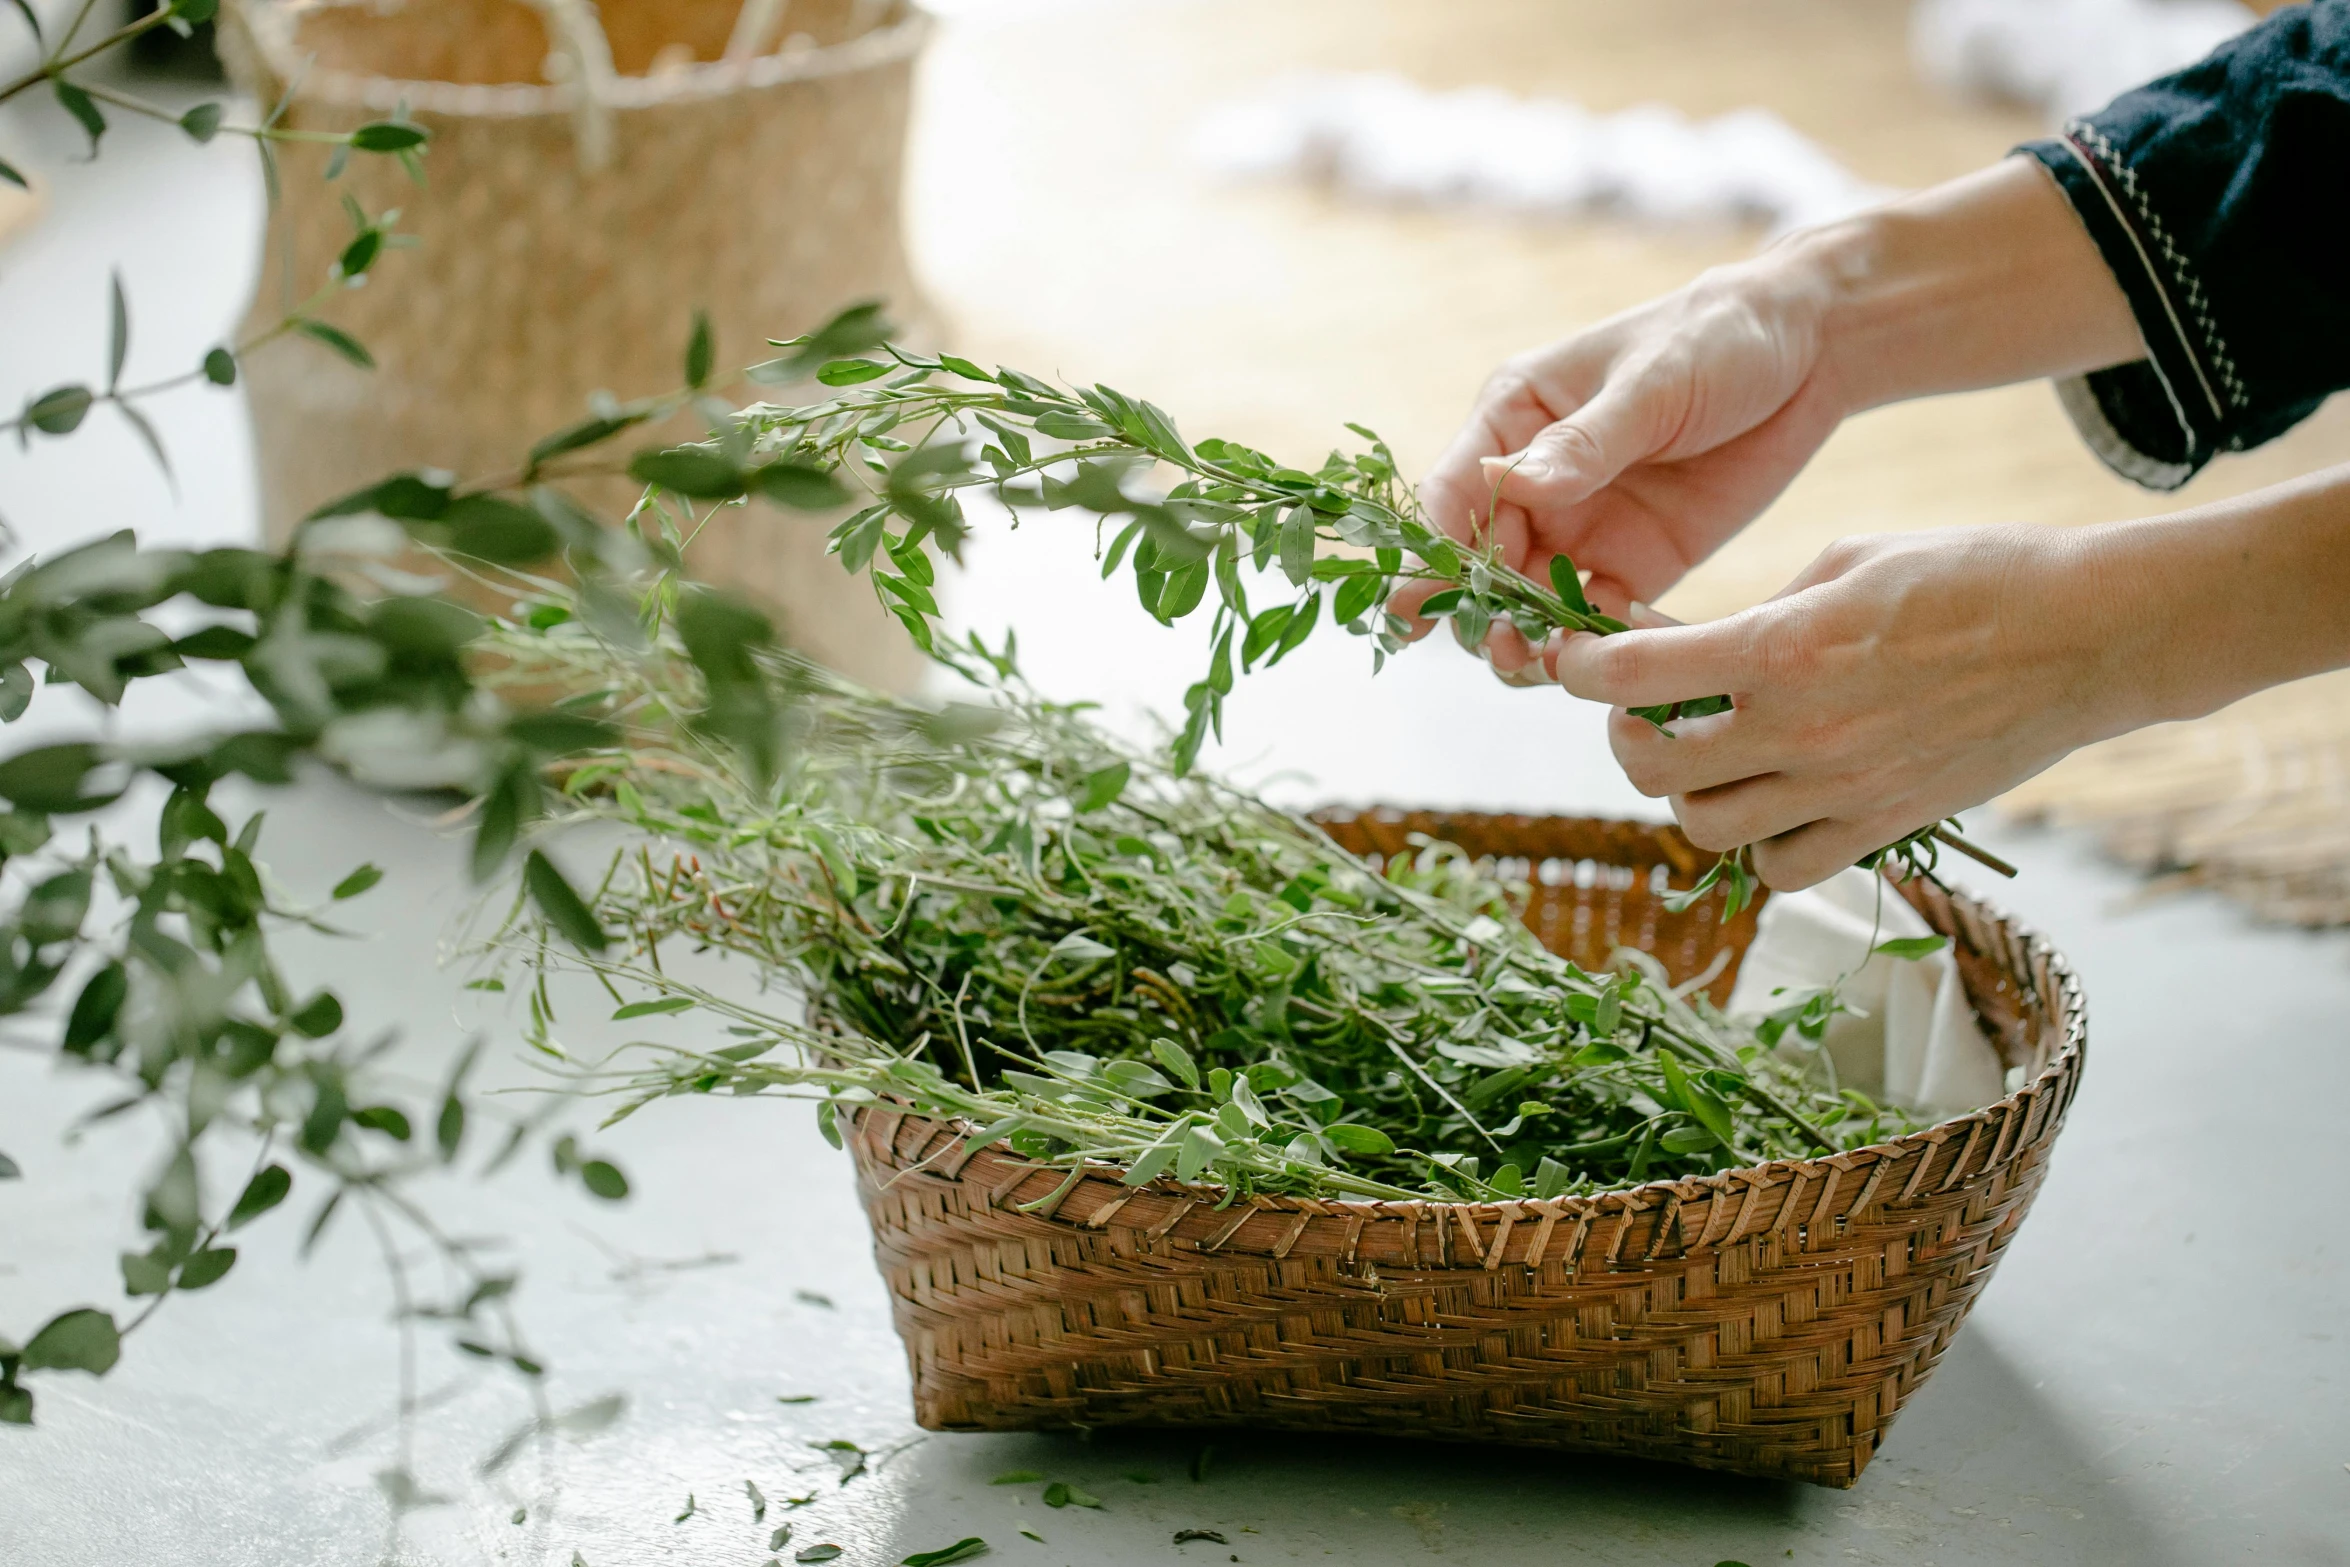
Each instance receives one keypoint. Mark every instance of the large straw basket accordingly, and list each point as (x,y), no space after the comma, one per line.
(568,231)
(1768,1321)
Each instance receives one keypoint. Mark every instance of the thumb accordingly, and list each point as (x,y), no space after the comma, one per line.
(1571,460)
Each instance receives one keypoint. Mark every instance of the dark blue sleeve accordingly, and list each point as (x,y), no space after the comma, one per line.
(2220,197)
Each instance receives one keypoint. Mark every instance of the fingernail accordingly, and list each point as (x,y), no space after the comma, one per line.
(1523,467)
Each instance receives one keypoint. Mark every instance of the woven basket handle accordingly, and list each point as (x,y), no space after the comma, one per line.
(577,35)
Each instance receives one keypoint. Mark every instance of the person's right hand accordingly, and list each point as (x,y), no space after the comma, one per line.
(1638,446)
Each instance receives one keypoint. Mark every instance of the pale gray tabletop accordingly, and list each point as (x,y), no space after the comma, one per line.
(2155,1376)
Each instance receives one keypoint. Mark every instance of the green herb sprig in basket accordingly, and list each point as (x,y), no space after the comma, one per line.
(998,914)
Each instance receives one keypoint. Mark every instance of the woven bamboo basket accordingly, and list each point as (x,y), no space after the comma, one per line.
(569,230)
(1767,1321)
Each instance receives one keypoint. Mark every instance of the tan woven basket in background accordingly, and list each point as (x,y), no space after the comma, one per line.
(568,234)
(1768,1321)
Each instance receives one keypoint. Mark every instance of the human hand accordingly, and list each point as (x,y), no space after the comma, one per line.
(1896,682)
(1638,446)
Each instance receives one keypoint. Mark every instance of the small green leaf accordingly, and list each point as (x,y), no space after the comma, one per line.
(1177,1060)
(1072,427)
(59,411)
(1103,786)
(1297,545)
(392,1122)
(1062,1494)
(1347,1137)
(404,497)
(49,779)
(357,882)
(1355,596)
(1568,585)
(653,1008)
(603,1179)
(118,337)
(83,108)
(265,1191)
(700,351)
(95,1009)
(14,176)
(388,136)
(320,1016)
(1911,948)
(337,339)
(1018,1477)
(207,1267)
(798,485)
(84,1339)
(562,907)
(500,531)
(202,122)
(817,1553)
(144,1275)
(848,372)
(961,1551)
(10,1170)
(688,471)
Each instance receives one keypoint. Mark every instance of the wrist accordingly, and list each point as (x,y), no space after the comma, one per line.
(1983,281)
(2202,608)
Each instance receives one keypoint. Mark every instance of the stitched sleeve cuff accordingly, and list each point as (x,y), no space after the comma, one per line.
(2214,195)
(2142,418)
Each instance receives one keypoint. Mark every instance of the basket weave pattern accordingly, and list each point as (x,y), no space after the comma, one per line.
(763,191)
(1768,1321)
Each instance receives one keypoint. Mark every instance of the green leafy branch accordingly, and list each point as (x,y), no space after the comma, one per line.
(1347,534)
(368,666)
(61,410)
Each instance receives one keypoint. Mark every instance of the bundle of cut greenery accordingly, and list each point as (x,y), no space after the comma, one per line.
(997,913)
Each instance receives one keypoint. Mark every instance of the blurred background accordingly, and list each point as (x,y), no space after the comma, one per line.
(1270,217)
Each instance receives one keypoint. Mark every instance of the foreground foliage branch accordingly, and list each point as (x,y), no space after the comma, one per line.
(913,431)
(141,942)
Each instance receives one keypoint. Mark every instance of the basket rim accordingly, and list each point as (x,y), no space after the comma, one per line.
(273,25)
(2066,1005)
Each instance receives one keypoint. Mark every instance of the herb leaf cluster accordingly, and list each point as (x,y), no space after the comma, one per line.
(912,431)
(996,913)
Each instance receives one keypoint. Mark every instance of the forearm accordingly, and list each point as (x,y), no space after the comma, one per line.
(1983,281)
(2203,607)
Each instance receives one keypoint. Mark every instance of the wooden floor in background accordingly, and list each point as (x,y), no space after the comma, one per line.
(1061,227)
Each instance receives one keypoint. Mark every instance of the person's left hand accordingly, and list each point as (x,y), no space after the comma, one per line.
(1896,682)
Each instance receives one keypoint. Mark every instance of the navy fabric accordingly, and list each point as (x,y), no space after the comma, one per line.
(2220,197)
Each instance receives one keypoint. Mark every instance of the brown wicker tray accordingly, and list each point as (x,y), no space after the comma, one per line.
(1768,1321)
